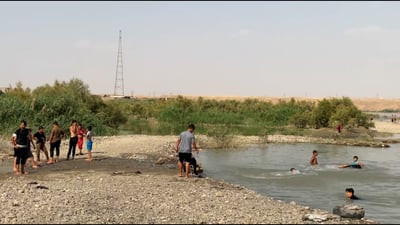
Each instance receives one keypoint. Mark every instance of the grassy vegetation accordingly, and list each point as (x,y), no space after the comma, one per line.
(62,102)
(65,101)
(228,117)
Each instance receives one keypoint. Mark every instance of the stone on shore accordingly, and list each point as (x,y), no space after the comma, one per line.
(349,211)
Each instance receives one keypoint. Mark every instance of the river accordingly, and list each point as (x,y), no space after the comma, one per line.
(265,169)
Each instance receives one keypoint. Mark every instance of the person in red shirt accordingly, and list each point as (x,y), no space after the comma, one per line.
(81,135)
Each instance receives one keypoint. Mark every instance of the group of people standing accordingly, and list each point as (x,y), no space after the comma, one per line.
(22,141)
(77,133)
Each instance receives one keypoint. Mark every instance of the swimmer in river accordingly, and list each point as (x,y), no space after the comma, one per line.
(355,164)
(314,160)
(294,171)
(350,194)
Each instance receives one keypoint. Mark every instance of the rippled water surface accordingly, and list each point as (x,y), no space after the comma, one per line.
(265,169)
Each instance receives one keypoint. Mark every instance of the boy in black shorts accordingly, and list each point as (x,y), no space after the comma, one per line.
(184,145)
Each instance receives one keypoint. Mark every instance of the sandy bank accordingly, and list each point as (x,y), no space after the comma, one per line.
(124,184)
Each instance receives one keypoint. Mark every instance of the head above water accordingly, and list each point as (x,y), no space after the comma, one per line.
(349,192)
(315,152)
(294,171)
(355,158)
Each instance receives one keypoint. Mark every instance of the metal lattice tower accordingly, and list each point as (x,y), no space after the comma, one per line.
(119,76)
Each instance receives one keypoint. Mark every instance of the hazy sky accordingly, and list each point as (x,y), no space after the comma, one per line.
(299,49)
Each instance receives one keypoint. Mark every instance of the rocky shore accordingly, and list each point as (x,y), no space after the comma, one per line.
(133,179)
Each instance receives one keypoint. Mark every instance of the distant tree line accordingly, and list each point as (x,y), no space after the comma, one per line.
(61,102)
(65,101)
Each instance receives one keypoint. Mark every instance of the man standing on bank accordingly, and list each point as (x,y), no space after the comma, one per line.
(20,141)
(184,145)
(73,140)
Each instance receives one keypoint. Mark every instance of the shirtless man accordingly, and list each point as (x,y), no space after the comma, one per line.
(73,140)
(314,160)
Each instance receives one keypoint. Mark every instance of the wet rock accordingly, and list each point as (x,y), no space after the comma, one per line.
(160,161)
(349,211)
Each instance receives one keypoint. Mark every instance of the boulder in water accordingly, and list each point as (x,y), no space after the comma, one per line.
(349,211)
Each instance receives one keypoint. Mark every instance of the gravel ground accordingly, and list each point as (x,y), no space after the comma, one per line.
(133,179)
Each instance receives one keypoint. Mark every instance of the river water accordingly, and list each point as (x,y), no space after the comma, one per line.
(265,169)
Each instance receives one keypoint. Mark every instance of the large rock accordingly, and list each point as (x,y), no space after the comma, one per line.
(349,211)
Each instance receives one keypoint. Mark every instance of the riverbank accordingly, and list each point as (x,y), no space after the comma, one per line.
(133,179)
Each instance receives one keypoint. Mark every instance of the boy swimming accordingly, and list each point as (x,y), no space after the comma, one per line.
(355,164)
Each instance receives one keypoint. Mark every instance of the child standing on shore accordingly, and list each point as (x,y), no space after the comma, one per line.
(81,134)
(89,143)
(40,138)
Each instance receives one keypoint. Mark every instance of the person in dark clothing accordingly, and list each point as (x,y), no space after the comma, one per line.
(20,140)
(350,194)
(55,141)
(40,138)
